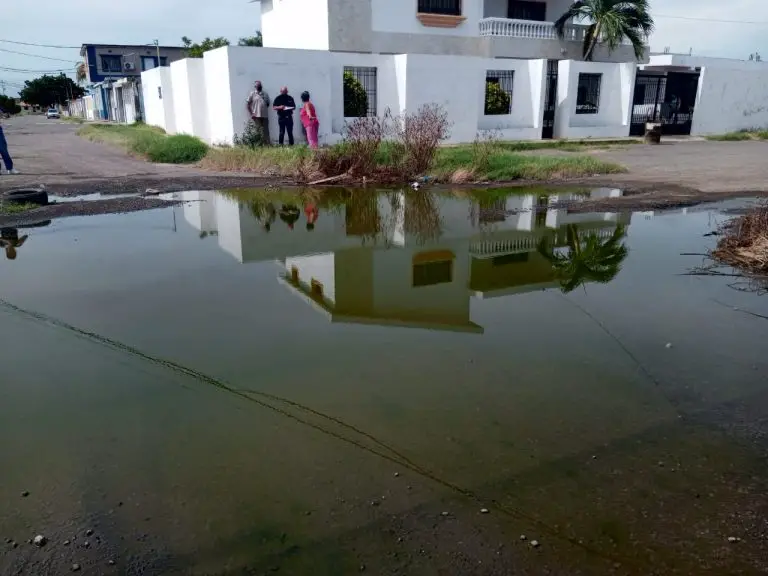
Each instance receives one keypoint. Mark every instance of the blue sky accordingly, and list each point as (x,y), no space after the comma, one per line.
(79,21)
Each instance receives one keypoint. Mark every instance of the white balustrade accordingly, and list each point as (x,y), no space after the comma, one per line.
(528,29)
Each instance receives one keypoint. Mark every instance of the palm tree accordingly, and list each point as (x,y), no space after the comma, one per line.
(588,259)
(611,21)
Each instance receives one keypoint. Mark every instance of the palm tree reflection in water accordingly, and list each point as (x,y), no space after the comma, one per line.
(589,258)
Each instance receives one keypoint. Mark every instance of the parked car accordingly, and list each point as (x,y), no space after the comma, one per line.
(52,113)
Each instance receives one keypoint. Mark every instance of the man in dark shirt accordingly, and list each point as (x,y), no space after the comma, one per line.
(285,105)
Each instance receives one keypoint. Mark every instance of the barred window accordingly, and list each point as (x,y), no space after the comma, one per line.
(431,273)
(449,7)
(499,86)
(588,93)
(359,91)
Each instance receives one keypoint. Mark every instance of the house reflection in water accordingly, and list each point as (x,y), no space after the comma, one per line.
(411,259)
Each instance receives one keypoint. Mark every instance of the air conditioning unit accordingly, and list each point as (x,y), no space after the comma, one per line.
(129,66)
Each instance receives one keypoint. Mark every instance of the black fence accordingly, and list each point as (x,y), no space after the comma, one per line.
(665,98)
(550,102)
(368,79)
(450,7)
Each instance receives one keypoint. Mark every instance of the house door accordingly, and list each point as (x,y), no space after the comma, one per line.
(679,102)
(665,98)
(550,100)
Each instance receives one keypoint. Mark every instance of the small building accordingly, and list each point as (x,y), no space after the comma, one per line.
(106,61)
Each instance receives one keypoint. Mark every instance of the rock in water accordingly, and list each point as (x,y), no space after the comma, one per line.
(535,543)
(484,510)
(75,567)
(39,540)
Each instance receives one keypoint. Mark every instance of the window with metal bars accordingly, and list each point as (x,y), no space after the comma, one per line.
(449,7)
(499,86)
(431,273)
(588,93)
(367,77)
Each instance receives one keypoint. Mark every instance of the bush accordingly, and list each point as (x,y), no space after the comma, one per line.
(355,97)
(497,101)
(252,137)
(420,134)
(9,105)
(178,149)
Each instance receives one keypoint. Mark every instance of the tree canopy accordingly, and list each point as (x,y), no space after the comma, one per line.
(197,49)
(48,90)
(610,22)
(9,105)
(256,40)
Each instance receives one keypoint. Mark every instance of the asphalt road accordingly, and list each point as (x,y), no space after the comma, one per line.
(50,152)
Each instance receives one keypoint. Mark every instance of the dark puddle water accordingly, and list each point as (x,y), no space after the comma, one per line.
(249,384)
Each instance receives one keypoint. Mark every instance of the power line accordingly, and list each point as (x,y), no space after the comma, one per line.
(36,55)
(755,22)
(27,71)
(39,45)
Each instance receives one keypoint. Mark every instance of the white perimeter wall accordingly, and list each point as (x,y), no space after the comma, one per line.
(189,100)
(404,83)
(159,109)
(614,110)
(729,100)
(295,24)
(220,87)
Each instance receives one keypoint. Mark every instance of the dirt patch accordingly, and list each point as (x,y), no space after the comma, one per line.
(84,208)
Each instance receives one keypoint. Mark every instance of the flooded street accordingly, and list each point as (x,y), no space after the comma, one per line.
(393,383)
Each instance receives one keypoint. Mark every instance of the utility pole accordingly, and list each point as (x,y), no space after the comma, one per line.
(2,86)
(157,46)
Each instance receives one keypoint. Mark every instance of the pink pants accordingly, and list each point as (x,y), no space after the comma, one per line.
(312,129)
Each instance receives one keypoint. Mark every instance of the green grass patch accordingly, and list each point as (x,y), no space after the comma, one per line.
(16,207)
(564,145)
(148,141)
(739,136)
(275,160)
(502,164)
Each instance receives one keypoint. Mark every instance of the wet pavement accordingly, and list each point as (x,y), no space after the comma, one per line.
(390,383)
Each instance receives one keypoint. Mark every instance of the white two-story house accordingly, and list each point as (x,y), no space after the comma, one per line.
(487,28)
(407,54)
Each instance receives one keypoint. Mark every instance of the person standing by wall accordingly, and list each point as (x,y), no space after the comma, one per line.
(309,119)
(7,160)
(258,109)
(285,105)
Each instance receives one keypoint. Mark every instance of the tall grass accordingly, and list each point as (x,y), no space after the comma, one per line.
(367,154)
(148,141)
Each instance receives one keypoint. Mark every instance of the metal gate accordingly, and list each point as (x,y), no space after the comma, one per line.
(668,98)
(550,103)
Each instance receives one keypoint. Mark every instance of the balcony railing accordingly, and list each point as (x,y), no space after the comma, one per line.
(528,29)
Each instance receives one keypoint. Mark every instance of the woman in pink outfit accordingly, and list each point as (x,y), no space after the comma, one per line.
(309,119)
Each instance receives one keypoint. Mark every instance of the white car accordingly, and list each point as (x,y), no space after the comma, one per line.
(52,113)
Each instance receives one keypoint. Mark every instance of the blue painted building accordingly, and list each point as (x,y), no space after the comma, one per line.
(115,61)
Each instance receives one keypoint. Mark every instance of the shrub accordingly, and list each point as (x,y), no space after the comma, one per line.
(252,137)
(420,134)
(497,101)
(178,149)
(355,97)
